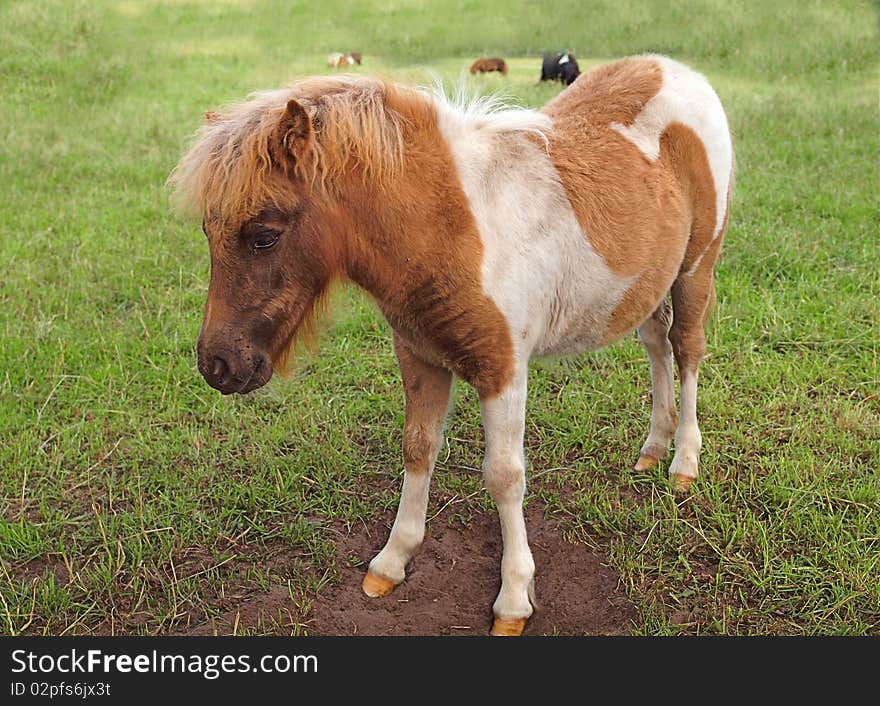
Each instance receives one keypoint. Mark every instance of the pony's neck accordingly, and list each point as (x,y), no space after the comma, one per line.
(413,244)
(401,236)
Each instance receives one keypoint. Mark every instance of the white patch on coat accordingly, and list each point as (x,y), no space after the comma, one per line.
(686,97)
(556,292)
(564,59)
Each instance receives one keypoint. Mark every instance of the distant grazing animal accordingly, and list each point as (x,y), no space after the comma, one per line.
(338,60)
(561,67)
(612,196)
(486,65)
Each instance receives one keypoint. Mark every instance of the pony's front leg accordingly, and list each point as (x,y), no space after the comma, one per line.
(427,390)
(504,469)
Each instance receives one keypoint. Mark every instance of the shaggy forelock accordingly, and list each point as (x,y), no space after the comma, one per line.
(228,169)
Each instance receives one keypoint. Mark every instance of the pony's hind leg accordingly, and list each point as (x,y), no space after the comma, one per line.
(654,334)
(427,391)
(504,472)
(693,295)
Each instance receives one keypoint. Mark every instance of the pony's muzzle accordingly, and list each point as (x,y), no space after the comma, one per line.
(228,371)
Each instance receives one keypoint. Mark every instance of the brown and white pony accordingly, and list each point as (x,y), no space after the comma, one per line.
(486,236)
(338,60)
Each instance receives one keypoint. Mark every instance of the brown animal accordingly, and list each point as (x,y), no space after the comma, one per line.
(486,65)
(487,237)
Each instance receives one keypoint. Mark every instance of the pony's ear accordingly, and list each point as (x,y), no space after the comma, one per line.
(292,136)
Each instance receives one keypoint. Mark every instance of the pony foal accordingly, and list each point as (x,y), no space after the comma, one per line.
(486,236)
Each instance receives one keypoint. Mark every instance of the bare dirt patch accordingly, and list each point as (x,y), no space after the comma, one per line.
(451,584)
(454,578)
(40,568)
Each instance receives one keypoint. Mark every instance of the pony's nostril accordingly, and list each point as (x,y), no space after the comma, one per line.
(220,371)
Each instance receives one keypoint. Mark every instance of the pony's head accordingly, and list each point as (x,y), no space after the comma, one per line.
(266,179)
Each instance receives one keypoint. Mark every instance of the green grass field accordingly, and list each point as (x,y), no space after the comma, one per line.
(135,499)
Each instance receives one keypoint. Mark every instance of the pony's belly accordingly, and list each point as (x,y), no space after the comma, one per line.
(580,337)
(579,323)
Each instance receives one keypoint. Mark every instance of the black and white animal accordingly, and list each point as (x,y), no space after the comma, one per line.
(560,67)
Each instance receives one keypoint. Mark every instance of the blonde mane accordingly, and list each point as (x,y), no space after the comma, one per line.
(228,169)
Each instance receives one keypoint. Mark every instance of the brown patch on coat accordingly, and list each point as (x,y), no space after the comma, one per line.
(486,65)
(683,154)
(612,93)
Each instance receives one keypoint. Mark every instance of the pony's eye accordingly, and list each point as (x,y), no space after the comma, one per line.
(266,239)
